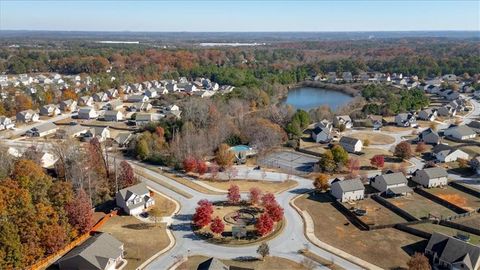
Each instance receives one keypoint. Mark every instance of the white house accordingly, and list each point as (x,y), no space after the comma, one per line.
(87,113)
(431,177)
(445,153)
(428,114)
(27,116)
(137,98)
(351,145)
(85,101)
(343,120)
(461,132)
(406,120)
(6,123)
(322,132)
(112,93)
(348,190)
(135,199)
(69,105)
(391,184)
(49,110)
(100,97)
(113,116)
(151,93)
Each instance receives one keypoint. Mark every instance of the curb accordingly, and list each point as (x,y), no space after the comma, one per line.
(309,234)
(169,233)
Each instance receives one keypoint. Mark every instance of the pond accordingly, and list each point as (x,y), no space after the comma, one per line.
(307,98)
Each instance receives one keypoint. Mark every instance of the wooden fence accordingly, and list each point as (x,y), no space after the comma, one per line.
(45,262)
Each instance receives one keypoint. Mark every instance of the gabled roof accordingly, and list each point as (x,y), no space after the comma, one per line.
(349,140)
(138,189)
(463,130)
(435,172)
(453,250)
(95,252)
(393,178)
(212,264)
(349,185)
(441,147)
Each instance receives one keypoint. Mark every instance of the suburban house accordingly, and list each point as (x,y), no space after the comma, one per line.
(445,153)
(347,76)
(71,132)
(102,251)
(451,253)
(6,123)
(429,136)
(140,107)
(112,93)
(100,97)
(406,120)
(377,120)
(347,190)
(189,88)
(447,110)
(432,89)
(461,132)
(171,87)
(351,145)
(391,184)
(431,177)
(143,118)
(113,116)
(85,101)
(133,200)
(113,105)
(42,130)
(151,93)
(49,110)
(136,87)
(137,98)
(27,116)
(343,120)
(101,133)
(428,114)
(68,105)
(452,95)
(321,133)
(123,138)
(475,164)
(87,113)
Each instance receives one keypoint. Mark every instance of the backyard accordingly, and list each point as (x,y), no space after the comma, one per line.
(377,214)
(420,207)
(267,264)
(457,197)
(386,248)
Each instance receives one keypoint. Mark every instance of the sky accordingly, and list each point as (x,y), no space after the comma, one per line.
(244,16)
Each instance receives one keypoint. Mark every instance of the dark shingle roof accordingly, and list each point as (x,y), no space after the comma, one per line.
(453,250)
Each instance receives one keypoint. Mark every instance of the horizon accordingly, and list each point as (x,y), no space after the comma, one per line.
(236,16)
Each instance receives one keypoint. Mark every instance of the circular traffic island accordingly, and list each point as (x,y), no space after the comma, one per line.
(240,225)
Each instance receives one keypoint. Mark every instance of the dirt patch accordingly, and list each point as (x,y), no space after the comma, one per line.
(420,206)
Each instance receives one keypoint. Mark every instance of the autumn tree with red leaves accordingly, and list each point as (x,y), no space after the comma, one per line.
(377,161)
(79,212)
(190,164)
(268,198)
(255,195)
(202,167)
(275,211)
(203,213)
(233,195)
(217,226)
(126,176)
(264,224)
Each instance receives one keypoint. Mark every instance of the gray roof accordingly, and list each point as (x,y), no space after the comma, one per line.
(94,253)
(348,140)
(442,147)
(143,117)
(111,113)
(212,264)
(400,190)
(349,185)
(435,172)
(123,138)
(393,178)
(453,250)
(45,127)
(138,189)
(463,130)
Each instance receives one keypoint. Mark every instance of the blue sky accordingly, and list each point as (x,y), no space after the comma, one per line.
(354,15)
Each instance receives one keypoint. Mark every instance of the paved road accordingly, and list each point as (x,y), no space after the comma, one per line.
(24,128)
(284,245)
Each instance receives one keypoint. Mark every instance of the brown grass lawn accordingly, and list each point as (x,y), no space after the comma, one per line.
(473,221)
(396,129)
(377,214)
(457,197)
(430,228)
(387,248)
(420,206)
(141,240)
(471,150)
(270,263)
(370,152)
(375,138)
(246,185)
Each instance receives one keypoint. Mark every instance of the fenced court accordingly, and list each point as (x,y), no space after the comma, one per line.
(290,162)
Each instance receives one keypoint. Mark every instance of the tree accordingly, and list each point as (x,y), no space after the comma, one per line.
(268,198)
(224,156)
(190,164)
(377,161)
(141,149)
(418,262)
(326,162)
(321,182)
(202,167)
(403,150)
(79,212)
(264,224)
(366,142)
(254,195)
(203,213)
(217,226)
(263,250)
(353,166)
(275,211)
(233,195)
(340,156)
(126,176)
(421,147)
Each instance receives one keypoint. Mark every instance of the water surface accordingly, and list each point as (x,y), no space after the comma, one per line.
(307,98)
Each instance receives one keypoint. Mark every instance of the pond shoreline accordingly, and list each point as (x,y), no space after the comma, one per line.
(344,88)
